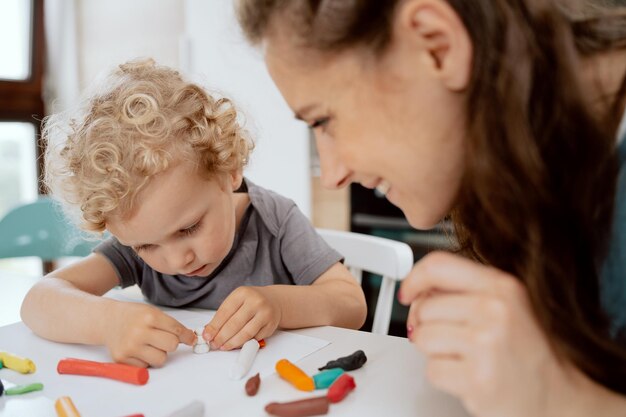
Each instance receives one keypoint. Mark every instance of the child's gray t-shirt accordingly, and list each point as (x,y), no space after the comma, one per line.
(275,244)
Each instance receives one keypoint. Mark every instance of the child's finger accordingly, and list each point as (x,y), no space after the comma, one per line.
(134,362)
(446,272)
(265,331)
(229,307)
(162,340)
(233,326)
(249,331)
(152,356)
(171,325)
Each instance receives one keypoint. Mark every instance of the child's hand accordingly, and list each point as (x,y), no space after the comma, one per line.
(142,335)
(247,313)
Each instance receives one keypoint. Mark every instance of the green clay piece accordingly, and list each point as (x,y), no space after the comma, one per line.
(23,389)
(1,364)
(326,378)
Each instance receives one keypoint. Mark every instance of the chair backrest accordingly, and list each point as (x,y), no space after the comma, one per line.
(40,229)
(389,258)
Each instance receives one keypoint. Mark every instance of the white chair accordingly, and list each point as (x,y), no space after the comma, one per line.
(389,258)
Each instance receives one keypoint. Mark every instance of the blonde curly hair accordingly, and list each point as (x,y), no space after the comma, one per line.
(145,119)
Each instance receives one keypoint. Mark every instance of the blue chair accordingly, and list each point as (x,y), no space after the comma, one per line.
(40,229)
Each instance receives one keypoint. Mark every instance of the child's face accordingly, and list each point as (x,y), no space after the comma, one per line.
(182,223)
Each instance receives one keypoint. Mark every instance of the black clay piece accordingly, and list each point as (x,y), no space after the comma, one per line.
(347,363)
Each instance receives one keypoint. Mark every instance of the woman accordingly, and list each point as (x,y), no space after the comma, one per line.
(503,115)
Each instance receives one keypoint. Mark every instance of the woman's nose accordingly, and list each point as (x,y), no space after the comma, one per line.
(335,174)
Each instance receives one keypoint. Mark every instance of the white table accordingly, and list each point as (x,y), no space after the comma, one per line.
(390,384)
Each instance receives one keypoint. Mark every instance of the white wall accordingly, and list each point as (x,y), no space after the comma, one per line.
(219,58)
(202,38)
(113,31)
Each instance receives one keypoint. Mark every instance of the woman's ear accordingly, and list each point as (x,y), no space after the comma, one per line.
(436,32)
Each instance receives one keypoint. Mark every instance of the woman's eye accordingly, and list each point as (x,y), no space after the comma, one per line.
(319,123)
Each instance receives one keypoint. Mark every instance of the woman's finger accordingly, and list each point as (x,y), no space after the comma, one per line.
(446,272)
(449,307)
(442,339)
(448,373)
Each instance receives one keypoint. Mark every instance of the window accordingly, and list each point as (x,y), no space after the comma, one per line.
(15,39)
(21,106)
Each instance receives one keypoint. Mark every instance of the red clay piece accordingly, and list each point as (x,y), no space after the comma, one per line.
(340,388)
(302,408)
(117,371)
(252,385)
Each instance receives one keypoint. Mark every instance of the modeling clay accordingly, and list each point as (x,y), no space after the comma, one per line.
(340,388)
(310,407)
(23,389)
(17,363)
(200,346)
(65,407)
(245,359)
(252,385)
(294,375)
(347,363)
(325,378)
(118,371)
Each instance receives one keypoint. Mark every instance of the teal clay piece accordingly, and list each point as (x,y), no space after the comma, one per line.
(23,389)
(1,364)
(326,378)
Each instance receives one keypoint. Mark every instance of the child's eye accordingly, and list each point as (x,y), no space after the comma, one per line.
(191,229)
(143,248)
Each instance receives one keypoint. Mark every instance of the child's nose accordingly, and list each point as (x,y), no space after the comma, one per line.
(182,259)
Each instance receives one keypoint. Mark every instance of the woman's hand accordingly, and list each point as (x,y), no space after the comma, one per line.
(247,313)
(482,343)
(142,335)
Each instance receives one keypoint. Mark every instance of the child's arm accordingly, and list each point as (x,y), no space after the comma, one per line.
(334,299)
(66,306)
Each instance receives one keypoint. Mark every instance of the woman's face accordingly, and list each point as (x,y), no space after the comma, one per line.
(387,120)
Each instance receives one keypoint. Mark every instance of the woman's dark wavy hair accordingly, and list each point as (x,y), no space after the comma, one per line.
(538,191)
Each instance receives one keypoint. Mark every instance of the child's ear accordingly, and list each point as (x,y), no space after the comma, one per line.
(236,179)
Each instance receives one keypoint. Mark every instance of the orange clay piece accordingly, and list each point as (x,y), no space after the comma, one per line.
(117,371)
(294,375)
(65,407)
(261,343)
